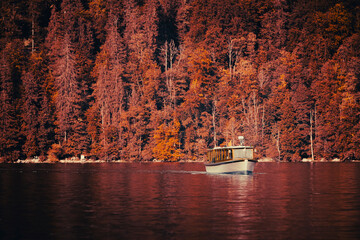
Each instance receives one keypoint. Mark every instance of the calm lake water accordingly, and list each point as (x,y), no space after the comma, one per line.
(179,201)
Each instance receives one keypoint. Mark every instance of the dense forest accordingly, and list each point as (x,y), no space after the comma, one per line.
(139,80)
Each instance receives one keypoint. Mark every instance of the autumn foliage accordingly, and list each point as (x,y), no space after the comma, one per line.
(160,79)
(167,144)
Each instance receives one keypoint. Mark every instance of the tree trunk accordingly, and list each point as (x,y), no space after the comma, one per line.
(213,121)
(311,136)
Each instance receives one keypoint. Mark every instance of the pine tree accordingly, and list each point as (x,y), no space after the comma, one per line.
(143,76)
(110,91)
(30,111)
(70,43)
(9,125)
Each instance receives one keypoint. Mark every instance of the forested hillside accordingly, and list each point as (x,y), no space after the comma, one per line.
(139,80)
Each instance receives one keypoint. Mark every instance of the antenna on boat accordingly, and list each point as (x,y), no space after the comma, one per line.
(242,140)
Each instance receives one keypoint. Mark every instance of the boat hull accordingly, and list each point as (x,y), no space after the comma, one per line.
(244,166)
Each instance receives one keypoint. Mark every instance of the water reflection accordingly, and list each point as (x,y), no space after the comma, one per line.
(179,201)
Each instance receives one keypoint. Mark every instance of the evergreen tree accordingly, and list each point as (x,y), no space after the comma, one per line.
(9,124)
(110,92)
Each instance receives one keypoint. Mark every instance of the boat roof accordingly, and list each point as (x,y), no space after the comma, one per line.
(232,147)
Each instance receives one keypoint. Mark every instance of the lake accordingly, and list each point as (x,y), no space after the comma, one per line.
(179,201)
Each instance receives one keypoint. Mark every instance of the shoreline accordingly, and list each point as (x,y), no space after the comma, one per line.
(84,161)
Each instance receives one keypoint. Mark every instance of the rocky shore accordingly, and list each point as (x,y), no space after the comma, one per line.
(86,160)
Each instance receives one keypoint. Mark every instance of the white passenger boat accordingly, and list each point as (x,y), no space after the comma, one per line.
(231,160)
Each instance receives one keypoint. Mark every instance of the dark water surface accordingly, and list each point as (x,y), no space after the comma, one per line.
(179,201)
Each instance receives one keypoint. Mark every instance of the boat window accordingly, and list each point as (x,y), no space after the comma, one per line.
(219,155)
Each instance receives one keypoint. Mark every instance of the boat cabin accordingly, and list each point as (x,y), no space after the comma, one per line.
(221,154)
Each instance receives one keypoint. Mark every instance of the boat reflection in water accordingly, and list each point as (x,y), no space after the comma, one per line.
(231,160)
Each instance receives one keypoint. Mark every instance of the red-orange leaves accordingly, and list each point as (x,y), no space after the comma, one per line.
(167,142)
